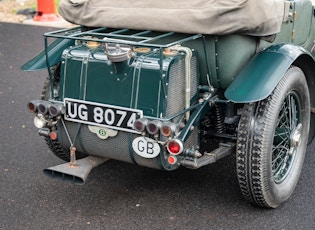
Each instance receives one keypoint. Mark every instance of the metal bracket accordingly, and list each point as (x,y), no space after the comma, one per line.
(224,150)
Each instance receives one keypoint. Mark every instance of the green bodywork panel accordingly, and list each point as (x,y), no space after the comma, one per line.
(138,83)
(247,67)
(260,76)
(263,72)
(54,51)
(227,56)
(302,22)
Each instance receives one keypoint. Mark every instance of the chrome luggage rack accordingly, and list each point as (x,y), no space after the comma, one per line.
(159,41)
(140,38)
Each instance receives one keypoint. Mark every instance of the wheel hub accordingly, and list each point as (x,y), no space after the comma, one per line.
(295,139)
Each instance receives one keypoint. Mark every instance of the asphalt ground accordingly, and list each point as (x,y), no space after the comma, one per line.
(117,195)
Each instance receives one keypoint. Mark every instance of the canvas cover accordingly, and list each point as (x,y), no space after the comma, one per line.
(252,17)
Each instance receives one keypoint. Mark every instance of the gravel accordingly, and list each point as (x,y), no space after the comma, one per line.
(9,10)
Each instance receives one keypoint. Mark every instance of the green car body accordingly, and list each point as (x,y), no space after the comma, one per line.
(185,91)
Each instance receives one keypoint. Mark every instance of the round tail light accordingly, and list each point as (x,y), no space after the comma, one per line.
(175,147)
(140,124)
(43,107)
(56,110)
(33,106)
(53,136)
(153,127)
(172,160)
(168,129)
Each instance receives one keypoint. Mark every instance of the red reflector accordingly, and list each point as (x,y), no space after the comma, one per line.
(53,136)
(172,160)
(175,147)
(31,107)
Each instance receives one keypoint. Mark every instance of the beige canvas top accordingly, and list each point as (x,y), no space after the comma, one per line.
(252,17)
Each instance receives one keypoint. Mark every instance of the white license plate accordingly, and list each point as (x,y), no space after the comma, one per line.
(146,147)
(115,117)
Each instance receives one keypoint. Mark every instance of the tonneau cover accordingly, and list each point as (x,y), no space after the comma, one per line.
(252,17)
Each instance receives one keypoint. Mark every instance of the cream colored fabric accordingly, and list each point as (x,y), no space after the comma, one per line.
(253,17)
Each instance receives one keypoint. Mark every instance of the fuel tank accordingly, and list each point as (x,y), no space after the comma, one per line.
(141,82)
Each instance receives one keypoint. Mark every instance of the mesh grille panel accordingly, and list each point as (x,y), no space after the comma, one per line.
(193,140)
(176,93)
(176,86)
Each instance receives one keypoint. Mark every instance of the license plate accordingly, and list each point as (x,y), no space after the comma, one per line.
(91,113)
(146,147)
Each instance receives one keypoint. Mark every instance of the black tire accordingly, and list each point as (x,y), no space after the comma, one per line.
(54,145)
(270,154)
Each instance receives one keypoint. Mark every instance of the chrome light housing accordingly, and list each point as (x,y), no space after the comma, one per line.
(56,110)
(175,147)
(153,127)
(169,129)
(39,121)
(140,124)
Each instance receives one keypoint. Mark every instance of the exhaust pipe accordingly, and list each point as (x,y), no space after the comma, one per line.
(77,173)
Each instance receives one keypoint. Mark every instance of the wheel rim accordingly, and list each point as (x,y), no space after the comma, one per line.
(287,137)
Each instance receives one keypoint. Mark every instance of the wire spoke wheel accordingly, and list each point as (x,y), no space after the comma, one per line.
(272,140)
(287,137)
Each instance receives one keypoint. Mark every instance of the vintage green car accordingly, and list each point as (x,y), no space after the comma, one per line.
(164,84)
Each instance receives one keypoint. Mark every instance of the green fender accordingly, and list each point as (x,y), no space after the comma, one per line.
(55,50)
(263,72)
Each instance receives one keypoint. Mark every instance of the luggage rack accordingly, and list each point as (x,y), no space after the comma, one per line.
(137,38)
(123,36)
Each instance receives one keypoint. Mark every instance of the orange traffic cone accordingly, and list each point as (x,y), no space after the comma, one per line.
(46,11)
